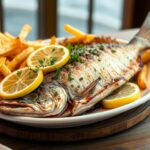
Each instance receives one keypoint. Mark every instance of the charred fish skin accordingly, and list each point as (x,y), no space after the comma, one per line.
(48,100)
(128,64)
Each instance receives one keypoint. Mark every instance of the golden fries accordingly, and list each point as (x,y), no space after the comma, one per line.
(4,38)
(3,68)
(146,56)
(25,31)
(11,37)
(23,64)
(142,78)
(53,40)
(20,58)
(73,31)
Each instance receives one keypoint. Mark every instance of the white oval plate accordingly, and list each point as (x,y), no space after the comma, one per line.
(78,120)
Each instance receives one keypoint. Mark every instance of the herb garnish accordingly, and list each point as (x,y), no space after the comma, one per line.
(70,47)
(52,61)
(81,78)
(113,51)
(101,47)
(55,94)
(74,57)
(93,51)
(19,72)
(41,62)
(78,86)
(34,69)
(57,73)
(70,78)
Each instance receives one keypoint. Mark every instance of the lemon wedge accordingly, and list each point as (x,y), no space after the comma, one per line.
(20,83)
(124,95)
(49,58)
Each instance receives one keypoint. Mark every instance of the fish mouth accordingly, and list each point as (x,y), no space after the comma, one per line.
(49,100)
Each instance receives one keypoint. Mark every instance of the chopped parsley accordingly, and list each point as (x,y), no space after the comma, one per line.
(53,49)
(41,62)
(93,51)
(70,78)
(70,47)
(78,86)
(55,94)
(74,57)
(101,47)
(113,51)
(19,72)
(34,69)
(52,61)
(81,78)
(57,74)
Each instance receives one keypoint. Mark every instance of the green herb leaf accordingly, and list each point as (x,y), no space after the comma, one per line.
(101,47)
(70,47)
(93,51)
(41,62)
(74,57)
(52,61)
(81,78)
(57,74)
(19,72)
(113,51)
(70,78)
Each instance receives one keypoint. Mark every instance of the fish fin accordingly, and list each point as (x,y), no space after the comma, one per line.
(142,38)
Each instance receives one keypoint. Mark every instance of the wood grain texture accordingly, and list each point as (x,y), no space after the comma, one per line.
(97,130)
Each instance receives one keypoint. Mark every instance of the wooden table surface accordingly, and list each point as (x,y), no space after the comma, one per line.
(138,137)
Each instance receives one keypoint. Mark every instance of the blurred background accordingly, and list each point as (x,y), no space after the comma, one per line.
(48,17)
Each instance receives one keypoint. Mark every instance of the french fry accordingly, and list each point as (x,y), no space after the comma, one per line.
(20,58)
(4,38)
(35,45)
(9,36)
(23,64)
(25,31)
(76,39)
(3,68)
(7,62)
(73,30)
(10,47)
(89,38)
(53,40)
(142,78)
(1,78)
(146,56)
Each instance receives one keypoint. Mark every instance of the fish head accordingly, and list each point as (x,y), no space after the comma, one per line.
(50,99)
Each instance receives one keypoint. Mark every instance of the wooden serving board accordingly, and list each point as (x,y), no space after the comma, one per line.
(96,130)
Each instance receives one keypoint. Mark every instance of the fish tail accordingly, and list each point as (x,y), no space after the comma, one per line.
(142,38)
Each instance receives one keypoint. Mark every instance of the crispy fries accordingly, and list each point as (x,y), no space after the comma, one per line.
(53,40)
(23,64)
(3,68)
(73,31)
(25,31)
(146,56)
(11,37)
(20,58)
(142,78)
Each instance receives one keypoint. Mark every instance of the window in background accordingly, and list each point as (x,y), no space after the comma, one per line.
(20,12)
(107,16)
(74,13)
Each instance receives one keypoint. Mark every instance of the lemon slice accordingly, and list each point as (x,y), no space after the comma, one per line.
(49,58)
(124,95)
(20,83)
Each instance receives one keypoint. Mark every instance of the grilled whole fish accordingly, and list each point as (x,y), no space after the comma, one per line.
(79,85)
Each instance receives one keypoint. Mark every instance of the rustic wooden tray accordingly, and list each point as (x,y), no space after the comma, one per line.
(101,129)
